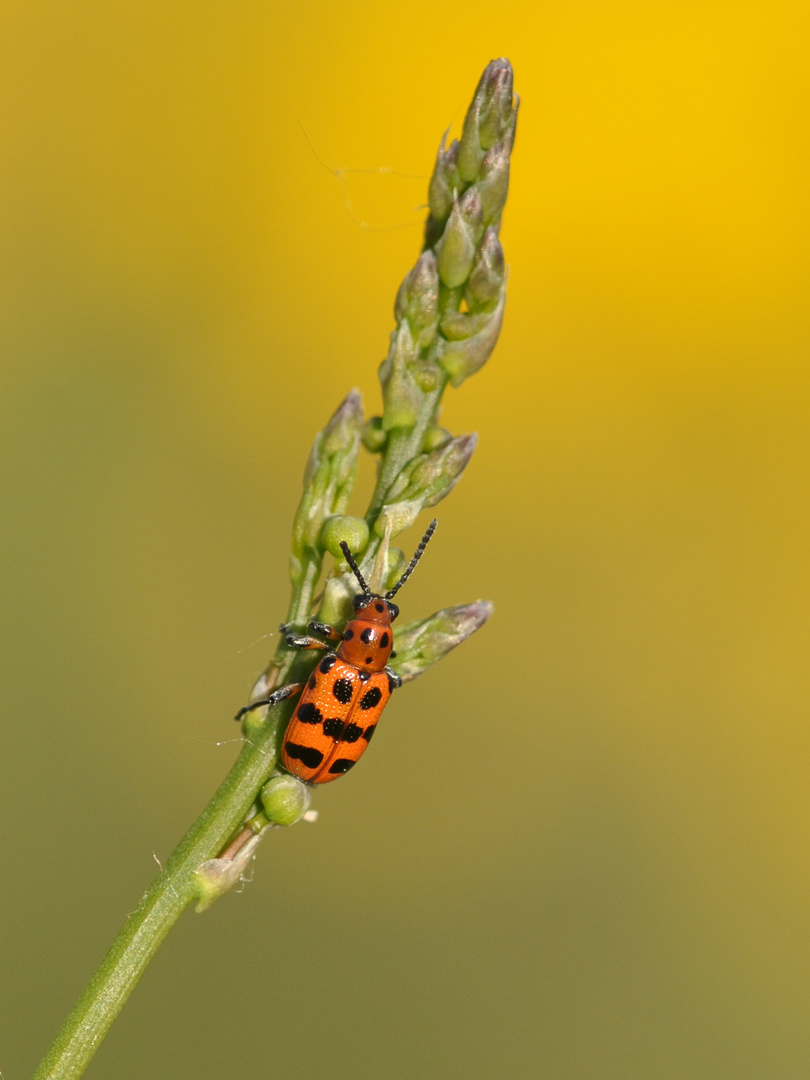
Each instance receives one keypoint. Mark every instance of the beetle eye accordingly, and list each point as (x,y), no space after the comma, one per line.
(393,609)
(358,601)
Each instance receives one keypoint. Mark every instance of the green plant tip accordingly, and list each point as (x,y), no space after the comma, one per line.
(423,643)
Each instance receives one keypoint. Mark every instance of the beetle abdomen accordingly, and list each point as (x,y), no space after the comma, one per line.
(334,720)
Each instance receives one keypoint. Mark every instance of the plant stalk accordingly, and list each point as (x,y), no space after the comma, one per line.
(175,887)
(161,906)
(403,445)
(468,258)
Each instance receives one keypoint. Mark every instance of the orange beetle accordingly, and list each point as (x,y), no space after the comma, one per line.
(341,703)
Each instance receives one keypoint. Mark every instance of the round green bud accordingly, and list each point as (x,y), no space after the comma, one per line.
(374,437)
(427,374)
(285,799)
(353,530)
(434,437)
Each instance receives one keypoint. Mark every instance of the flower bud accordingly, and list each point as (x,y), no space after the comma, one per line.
(472,212)
(456,249)
(487,276)
(424,482)
(418,299)
(342,528)
(426,372)
(470,153)
(423,643)
(336,605)
(328,480)
(397,561)
(399,516)
(285,799)
(435,437)
(463,358)
(374,437)
(459,325)
(496,114)
(402,396)
(494,183)
(488,118)
(444,181)
(215,877)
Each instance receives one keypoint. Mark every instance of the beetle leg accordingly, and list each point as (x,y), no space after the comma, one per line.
(325,630)
(273,699)
(394,681)
(305,642)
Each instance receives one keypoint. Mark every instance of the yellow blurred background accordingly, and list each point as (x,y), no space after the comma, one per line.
(581,849)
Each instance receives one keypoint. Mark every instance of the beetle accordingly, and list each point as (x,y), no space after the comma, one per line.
(337,714)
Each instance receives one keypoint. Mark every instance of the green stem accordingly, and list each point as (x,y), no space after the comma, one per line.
(299,612)
(161,907)
(176,887)
(403,445)
(284,659)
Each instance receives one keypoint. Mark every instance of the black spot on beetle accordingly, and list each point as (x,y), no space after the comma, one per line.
(327,663)
(369,659)
(343,691)
(369,732)
(384,641)
(348,635)
(342,765)
(333,728)
(379,607)
(371,698)
(307,755)
(367,635)
(313,682)
(352,733)
(309,713)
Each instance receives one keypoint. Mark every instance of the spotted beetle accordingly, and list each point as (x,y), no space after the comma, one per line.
(342,701)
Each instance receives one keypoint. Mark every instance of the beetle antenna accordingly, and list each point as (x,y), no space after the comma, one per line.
(344,547)
(429,531)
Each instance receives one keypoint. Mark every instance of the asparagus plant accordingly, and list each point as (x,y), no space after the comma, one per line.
(448,314)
